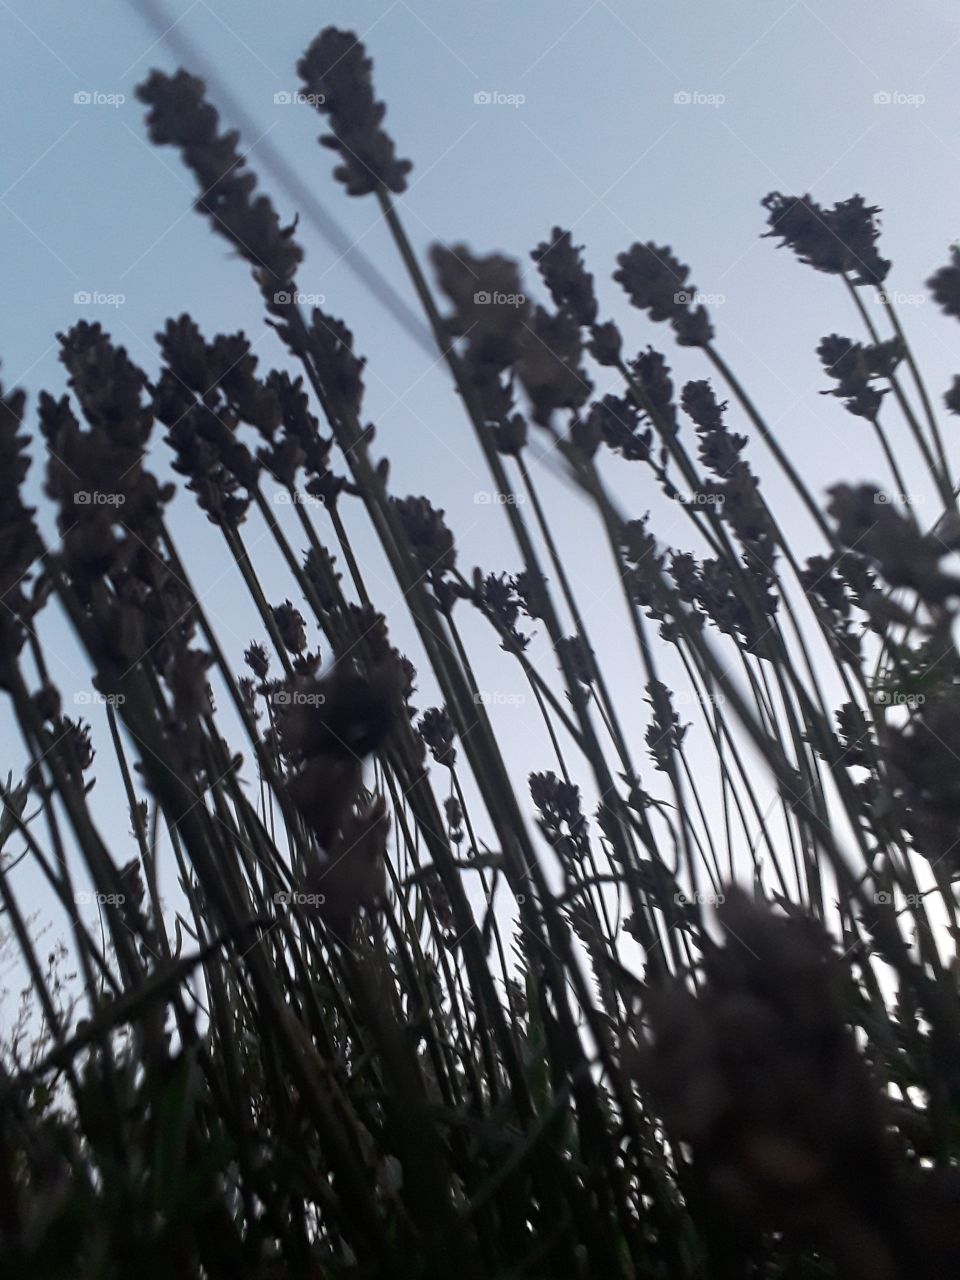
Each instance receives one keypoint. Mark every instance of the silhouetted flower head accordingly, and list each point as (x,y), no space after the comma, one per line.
(700,402)
(489,316)
(656,282)
(454,814)
(922,755)
(291,626)
(336,75)
(436,730)
(349,711)
(719,447)
(430,539)
(549,365)
(854,366)
(19,544)
(712,586)
(489,313)
(761,1074)
(606,343)
(257,660)
(73,746)
(339,366)
(585,434)
(109,504)
(186,678)
(617,420)
(573,650)
(510,435)
(652,375)
(904,555)
(203,395)
(560,814)
(528,591)
(377,656)
(180,116)
(945,285)
(301,443)
(841,240)
(571,286)
(351,875)
(501,595)
(664,735)
(320,569)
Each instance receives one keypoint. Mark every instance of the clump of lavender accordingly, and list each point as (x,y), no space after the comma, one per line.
(371,991)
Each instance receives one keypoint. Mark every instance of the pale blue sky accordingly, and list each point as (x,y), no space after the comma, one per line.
(785,98)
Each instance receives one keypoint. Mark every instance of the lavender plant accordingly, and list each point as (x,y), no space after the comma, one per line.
(408,1016)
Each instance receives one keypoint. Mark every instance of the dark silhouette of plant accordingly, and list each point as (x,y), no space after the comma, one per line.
(411,1015)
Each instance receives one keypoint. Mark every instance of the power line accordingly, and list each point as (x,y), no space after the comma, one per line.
(287,177)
